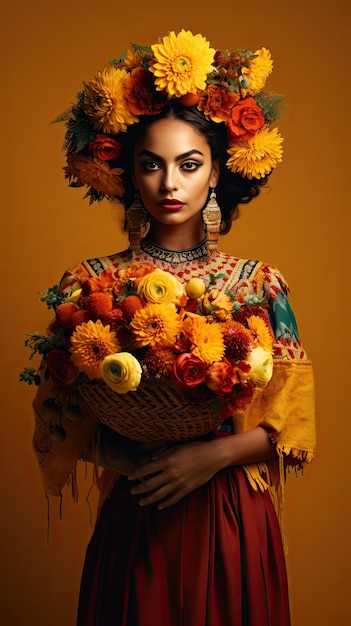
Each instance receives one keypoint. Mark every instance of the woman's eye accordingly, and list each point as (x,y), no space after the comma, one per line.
(191,165)
(150,165)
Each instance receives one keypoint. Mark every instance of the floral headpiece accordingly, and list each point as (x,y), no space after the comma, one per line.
(226,86)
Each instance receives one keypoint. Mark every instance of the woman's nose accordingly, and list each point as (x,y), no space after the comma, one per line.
(169,181)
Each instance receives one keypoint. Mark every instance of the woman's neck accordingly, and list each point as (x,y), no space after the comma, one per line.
(176,237)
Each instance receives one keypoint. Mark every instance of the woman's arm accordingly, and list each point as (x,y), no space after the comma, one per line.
(116,452)
(177,471)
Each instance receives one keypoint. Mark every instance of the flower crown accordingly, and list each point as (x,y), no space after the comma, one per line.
(227,87)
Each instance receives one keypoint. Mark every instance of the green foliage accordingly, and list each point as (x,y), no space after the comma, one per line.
(42,344)
(53,296)
(272,105)
(30,376)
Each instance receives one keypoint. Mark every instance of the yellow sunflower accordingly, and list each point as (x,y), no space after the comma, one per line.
(104,101)
(156,325)
(262,335)
(259,70)
(91,342)
(257,156)
(207,342)
(95,173)
(182,63)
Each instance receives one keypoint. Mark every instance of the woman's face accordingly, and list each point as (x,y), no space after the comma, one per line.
(173,171)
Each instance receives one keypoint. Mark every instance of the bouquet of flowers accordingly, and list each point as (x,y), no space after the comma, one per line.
(141,329)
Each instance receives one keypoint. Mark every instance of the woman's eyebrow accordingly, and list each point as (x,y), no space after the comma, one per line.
(155,156)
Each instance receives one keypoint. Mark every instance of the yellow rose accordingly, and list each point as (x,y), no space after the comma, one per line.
(121,372)
(160,287)
(261,363)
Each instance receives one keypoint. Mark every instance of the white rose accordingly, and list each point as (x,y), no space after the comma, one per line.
(261,363)
(121,372)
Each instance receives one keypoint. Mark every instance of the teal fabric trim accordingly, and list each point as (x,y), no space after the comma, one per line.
(282,318)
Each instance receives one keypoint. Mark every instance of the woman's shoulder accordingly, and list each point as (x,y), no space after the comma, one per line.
(256,272)
(74,276)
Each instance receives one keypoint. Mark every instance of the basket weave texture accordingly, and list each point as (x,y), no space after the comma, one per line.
(155,412)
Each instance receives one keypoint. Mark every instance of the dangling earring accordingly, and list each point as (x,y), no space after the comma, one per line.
(211,216)
(137,218)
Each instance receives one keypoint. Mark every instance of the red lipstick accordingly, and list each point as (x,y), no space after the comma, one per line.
(171,204)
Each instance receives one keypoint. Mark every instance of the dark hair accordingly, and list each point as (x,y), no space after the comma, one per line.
(232,189)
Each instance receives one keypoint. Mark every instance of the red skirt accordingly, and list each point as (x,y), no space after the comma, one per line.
(213,559)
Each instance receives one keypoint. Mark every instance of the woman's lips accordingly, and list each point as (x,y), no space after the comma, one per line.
(171,205)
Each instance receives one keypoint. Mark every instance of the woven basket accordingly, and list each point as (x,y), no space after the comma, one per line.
(155,412)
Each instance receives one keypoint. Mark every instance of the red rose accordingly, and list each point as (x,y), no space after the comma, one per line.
(245,120)
(61,368)
(105,148)
(188,371)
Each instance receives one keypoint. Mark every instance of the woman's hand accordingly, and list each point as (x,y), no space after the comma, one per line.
(176,471)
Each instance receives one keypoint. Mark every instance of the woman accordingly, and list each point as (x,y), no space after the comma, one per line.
(187,531)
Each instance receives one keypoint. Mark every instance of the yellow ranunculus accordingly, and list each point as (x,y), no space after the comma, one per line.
(261,363)
(121,372)
(160,287)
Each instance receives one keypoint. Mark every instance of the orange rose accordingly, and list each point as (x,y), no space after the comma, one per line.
(221,377)
(61,368)
(105,148)
(188,371)
(245,120)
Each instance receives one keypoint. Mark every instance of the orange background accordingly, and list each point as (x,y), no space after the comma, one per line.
(299,224)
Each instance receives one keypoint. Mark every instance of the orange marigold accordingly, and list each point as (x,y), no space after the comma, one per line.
(216,103)
(94,173)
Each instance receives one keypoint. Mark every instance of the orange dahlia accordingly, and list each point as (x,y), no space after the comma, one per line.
(91,342)
(207,341)
(156,325)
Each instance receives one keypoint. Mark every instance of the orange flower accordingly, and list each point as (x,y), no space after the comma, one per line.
(245,120)
(99,304)
(105,148)
(94,173)
(156,325)
(207,340)
(134,272)
(103,282)
(157,364)
(188,371)
(64,313)
(140,93)
(261,332)
(216,103)
(91,342)
(221,377)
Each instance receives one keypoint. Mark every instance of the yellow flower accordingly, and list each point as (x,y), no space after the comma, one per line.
(257,156)
(261,363)
(259,70)
(160,287)
(182,63)
(121,372)
(96,174)
(207,341)
(91,342)
(104,101)
(136,57)
(156,325)
(261,333)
